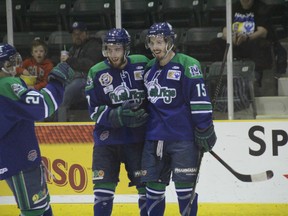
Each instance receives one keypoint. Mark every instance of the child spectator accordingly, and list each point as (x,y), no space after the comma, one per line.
(37,65)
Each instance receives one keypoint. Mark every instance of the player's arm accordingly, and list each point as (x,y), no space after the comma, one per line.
(200,107)
(114,116)
(36,105)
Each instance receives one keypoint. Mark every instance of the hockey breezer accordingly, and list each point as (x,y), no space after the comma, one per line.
(245,177)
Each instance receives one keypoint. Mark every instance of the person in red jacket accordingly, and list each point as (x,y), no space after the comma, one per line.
(37,65)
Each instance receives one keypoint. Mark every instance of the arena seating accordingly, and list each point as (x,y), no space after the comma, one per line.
(137,14)
(97,14)
(278,16)
(195,41)
(243,81)
(43,15)
(195,22)
(181,15)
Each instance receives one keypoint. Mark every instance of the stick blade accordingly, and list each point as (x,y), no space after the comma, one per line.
(262,176)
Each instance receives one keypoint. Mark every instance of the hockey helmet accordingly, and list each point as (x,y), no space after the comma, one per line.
(117,36)
(9,58)
(163,29)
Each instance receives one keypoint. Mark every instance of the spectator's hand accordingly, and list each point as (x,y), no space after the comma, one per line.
(241,38)
(62,72)
(64,56)
(234,39)
(26,72)
(205,138)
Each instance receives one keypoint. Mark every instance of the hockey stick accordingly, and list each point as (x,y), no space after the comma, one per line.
(242,177)
(192,197)
(219,83)
(245,177)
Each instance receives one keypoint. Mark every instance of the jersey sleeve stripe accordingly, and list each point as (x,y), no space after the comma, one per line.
(49,102)
(98,113)
(200,107)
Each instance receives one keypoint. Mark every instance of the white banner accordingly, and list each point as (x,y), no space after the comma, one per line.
(249,147)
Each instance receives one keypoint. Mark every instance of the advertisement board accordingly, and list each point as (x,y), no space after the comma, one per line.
(249,147)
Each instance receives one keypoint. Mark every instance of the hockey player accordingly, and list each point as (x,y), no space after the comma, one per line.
(116,98)
(20,157)
(179,124)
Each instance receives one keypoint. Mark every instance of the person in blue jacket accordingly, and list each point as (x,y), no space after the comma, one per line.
(179,125)
(20,107)
(116,97)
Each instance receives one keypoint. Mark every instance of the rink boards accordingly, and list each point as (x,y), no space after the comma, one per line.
(249,147)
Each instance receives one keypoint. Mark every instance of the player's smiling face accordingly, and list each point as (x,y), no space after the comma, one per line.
(116,55)
(157,46)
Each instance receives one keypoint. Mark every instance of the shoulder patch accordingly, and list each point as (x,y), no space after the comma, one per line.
(17,89)
(105,79)
(138,74)
(174,74)
(194,71)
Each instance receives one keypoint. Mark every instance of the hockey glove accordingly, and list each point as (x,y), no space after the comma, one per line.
(127,115)
(62,72)
(205,138)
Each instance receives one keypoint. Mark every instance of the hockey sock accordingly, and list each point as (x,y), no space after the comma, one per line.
(142,201)
(155,196)
(183,191)
(38,212)
(103,198)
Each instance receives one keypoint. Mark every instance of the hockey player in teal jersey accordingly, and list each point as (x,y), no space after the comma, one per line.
(20,107)
(179,125)
(116,97)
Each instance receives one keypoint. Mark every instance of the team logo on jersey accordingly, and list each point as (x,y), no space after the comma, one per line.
(32,155)
(139,173)
(194,71)
(17,89)
(138,75)
(98,174)
(105,79)
(174,74)
(157,92)
(104,135)
(39,196)
(123,93)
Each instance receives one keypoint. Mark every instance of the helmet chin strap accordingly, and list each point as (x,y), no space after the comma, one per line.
(166,54)
(10,72)
(123,63)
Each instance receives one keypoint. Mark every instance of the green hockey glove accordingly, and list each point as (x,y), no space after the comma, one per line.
(205,138)
(127,115)
(62,72)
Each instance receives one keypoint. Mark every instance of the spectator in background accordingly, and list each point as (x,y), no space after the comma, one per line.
(38,65)
(252,36)
(85,52)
